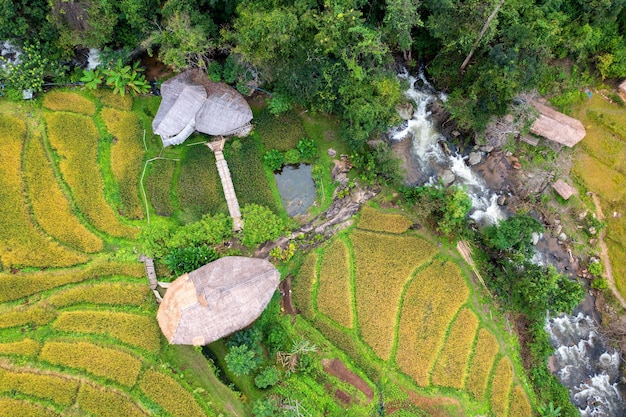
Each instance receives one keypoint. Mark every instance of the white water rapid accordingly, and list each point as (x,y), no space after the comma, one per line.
(583,360)
(586,365)
(435,160)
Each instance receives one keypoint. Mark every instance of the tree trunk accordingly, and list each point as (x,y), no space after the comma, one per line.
(480,36)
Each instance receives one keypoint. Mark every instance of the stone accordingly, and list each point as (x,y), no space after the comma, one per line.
(534,238)
(562,237)
(557,230)
(487,148)
(332,153)
(501,200)
(516,165)
(582,215)
(447,177)
(456,133)
(592,230)
(474,158)
(405,110)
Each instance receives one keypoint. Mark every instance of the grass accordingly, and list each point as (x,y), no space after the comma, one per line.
(199,189)
(170,395)
(383,264)
(75,140)
(58,100)
(112,364)
(281,132)
(481,363)
(21,244)
(158,184)
(25,347)
(519,406)
(16,286)
(451,367)
(127,153)
(134,329)
(334,297)
(50,206)
(376,221)
(249,176)
(51,387)
(431,301)
(501,387)
(107,403)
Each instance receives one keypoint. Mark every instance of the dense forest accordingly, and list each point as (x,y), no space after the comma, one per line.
(335,56)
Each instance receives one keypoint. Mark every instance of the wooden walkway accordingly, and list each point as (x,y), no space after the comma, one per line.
(227,183)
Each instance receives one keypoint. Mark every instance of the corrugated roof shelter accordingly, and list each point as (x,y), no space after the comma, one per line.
(191,102)
(556,126)
(216,300)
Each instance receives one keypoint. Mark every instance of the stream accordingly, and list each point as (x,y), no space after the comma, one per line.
(583,360)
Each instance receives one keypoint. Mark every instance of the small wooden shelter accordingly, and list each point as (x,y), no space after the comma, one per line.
(556,126)
(191,102)
(216,300)
(563,189)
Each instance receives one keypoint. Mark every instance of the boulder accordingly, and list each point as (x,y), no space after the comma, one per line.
(501,200)
(534,238)
(474,158)
(332,153)
(405,110)
(447,177)
(562,237)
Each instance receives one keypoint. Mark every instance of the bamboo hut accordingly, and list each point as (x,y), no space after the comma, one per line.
(216,300)
(191,102)
(556,126)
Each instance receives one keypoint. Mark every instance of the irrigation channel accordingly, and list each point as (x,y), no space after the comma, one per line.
(583,360)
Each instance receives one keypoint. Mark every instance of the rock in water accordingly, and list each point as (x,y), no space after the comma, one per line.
(447,177)
(474,158)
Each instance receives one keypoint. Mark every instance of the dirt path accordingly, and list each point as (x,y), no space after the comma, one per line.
(604,254)
(340,370)
(285,292)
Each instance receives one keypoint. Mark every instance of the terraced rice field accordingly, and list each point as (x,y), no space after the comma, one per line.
(78,330)
(414,311)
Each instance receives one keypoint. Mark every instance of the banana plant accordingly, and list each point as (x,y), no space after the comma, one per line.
(92,78)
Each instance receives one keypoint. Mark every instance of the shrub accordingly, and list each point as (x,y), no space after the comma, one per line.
(334,296)
(50,387)
(134,329)
(265,407)
(451,366)
(267,377)
(168,393)
(66,101)
(307,148)
(376,221)
(278,104)
(209,230)
(500,387)
(16,286)
(158,183)
(292,156)
(106,293)
(241,360)
(481,363)
(108,363)
(383,264)
(106,403)
(50,206)
(200,197)
(24,347)
(187,259)
(20,243)
(430,303)
(274,159)
(75,139)
(260,225)
(25,408)
(600,284)
(519,406)
(595,269)
(127,154)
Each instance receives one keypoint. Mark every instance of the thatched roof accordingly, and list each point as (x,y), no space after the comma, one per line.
(216,300)
(556,126)
(192,102)
(622,89)
(563,189)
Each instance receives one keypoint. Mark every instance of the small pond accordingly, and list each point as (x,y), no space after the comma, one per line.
(296,187)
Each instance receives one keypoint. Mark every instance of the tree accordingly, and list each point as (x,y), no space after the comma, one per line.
(29,73)
(401,17)
(265,407)
(513,235)
(267,377)
(240,360)
(260,225)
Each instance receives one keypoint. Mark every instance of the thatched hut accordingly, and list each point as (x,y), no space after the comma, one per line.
(556,126)
(216,300)
(191,102)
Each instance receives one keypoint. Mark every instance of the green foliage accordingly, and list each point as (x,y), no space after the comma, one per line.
(260,225)
(92,78)
(187,259)
(274,159)
(600,284)
(265,407)
(267,377)
(307,148)
(278,104)
(126,79)
(512,234)
(292,156)
(595,268)
(376,165)
(240,360)
(549,410)
(29,73)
